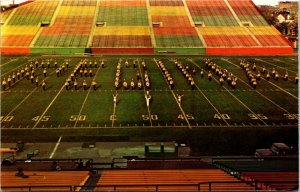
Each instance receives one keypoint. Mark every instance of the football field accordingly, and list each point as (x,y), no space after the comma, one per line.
(25,106)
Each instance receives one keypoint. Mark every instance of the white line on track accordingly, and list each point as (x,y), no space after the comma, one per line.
(86,97)
(182,111)
(276,66)
(141,74)
(259,92)
(242,103)
(55,148)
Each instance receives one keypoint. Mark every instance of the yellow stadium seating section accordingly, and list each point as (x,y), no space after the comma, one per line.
(264,30)
(234,30)
(19,30)
(77,10)
(168,11)
(122,30)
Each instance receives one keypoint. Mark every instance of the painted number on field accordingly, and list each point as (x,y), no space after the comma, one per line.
(113,117)
(77,118)
(221,116)
(41,118)
(147,117)
(188,116)
(6,118)
(257,116)
(291,116)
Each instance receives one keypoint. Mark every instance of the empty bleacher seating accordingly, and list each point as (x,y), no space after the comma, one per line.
(227,37)
(211,13)
(38,180)
(34,13)
(140,26)
(176,30)
(155,164)
(71,27)
(247,11)
(169,180)
(272,174)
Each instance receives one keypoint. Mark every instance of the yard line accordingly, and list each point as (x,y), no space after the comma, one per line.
(16,107)
(114,113)
(276,65)
(13,70)
(182,111)
(87,95)
(261,93)
(285,63)
(9,62)
(55,148)
(295,97)
(245,106)
(208,99)
(149,113)
(62,88)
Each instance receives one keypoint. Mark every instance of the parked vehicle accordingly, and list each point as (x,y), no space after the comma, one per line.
(276,150)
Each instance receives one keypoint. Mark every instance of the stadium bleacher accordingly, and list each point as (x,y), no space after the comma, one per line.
(270,174)
(211,13)
(154,174)
(162,27)
(125,25)
(42,180)
(173,178)
(247,11)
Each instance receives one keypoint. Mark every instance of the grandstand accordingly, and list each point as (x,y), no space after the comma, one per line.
(248,175)
(184,27)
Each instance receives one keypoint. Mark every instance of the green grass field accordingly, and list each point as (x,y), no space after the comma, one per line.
(25,107)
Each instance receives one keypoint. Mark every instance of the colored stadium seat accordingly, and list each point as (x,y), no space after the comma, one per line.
(58,180)
(212,27)
(171,177)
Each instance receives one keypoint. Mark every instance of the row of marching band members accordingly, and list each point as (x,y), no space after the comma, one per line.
(185,72)
(223,74)
(166,74)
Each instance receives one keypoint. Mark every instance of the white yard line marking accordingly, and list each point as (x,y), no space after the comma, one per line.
(114,113)
(211,104)
(86,97)
(141,75)
(9,62)
(55,148)
(242,103)
(182,111)
(261,93)
(2,75)
(21,102)
(48,107)
(30,93)
(207,98)
(295,97)
(276,66)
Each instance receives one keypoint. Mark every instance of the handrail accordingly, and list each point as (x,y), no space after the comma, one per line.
(116,186)
(279,158)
